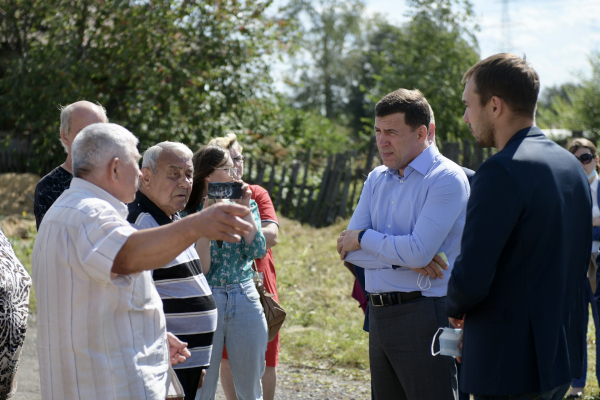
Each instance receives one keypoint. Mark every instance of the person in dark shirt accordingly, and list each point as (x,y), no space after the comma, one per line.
(73,118)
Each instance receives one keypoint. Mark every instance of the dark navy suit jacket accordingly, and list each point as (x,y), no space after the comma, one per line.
(519,279)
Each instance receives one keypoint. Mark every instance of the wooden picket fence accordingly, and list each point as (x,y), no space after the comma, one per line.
(308,190)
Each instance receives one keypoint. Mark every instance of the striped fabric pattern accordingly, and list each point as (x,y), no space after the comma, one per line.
(188,304)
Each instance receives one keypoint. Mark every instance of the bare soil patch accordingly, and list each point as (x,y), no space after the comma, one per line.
(16,193)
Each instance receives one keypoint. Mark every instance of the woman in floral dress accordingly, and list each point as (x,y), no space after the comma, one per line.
(15,284)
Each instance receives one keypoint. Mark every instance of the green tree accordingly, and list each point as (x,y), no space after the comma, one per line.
(586,102)
(431,53)
(555,108)
(574,106)
(165,69)
(326,57)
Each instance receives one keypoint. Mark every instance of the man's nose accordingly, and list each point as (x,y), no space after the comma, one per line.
(465,117)
(382,141)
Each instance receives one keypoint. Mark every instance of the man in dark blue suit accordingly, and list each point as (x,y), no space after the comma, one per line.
(516,287)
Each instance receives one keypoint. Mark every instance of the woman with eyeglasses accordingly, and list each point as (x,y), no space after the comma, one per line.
(264,265)
(585,151)
(241,323)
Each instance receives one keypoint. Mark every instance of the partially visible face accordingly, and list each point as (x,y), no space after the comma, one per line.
(80,118)
(397,142)
(131,175)
(238,162)
(477,117)
(222,175)
(589,167)
(171,186)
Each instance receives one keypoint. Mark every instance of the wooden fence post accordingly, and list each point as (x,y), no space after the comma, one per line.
(450,150)
(477,156)
(280,186)
(347,180)
(260,172)
(306,212)
(304,179)
(287,204)
(333,190)
(271,184)
(466,153)
(316,207)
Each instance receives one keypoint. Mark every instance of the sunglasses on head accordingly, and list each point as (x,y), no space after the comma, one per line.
(585,158)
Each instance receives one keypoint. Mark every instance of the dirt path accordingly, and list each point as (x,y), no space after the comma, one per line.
(295,382)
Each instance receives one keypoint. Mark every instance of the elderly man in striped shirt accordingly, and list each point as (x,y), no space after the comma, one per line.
(101,328)
(190,309)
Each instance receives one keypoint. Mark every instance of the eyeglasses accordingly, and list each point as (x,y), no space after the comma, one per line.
(239,159)
(232,171)
(585,158)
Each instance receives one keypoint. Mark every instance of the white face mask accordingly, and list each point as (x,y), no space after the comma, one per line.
(592,175)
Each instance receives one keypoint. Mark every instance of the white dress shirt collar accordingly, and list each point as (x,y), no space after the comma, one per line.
(98,192)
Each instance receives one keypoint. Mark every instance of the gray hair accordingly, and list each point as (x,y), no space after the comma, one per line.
(98,143)
(150,158)
(65,117)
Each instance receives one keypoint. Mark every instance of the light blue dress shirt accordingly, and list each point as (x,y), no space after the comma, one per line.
(408,220)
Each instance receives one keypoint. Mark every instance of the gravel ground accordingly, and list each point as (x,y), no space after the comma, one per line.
(295,381)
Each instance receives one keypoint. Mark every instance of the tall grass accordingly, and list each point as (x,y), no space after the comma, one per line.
(324,324)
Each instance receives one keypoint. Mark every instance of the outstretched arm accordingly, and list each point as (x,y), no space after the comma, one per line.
(149,249)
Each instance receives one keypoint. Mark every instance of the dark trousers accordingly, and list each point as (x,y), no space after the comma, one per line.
(402,367)
(189,379)
(555,394)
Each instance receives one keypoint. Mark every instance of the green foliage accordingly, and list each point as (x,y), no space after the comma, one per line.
(167,69)
(327,46)
(272,130)
(587,102)
(557,112)
(573,106)
(430,53)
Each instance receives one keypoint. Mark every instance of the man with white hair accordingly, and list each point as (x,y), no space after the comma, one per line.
(101,328)
(188,304)
(73,118)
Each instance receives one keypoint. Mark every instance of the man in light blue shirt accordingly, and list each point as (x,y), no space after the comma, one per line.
(410,209)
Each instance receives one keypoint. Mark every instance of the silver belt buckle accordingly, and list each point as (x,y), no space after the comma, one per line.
(380,299)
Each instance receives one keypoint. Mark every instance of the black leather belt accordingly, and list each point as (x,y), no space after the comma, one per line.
(388,299)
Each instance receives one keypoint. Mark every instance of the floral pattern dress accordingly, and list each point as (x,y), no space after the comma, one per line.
(15,284)
(232,262)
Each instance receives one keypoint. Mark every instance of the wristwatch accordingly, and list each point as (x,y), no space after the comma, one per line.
(360,235)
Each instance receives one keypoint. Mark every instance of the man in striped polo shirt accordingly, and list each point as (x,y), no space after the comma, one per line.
(190,310)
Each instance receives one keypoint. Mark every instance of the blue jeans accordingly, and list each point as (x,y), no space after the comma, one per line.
(242,327)
(555,394)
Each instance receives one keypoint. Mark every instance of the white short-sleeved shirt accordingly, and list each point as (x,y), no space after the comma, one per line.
(99,337)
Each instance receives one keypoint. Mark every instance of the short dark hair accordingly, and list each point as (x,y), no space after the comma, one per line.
(509,77)
(410,102)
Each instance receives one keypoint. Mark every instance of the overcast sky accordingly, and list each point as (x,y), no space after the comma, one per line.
(557,36)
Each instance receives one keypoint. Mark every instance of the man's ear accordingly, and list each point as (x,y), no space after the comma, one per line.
(63,137)
(421,134)
(146,177)
(497,106)
(114,168)
(431,134)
